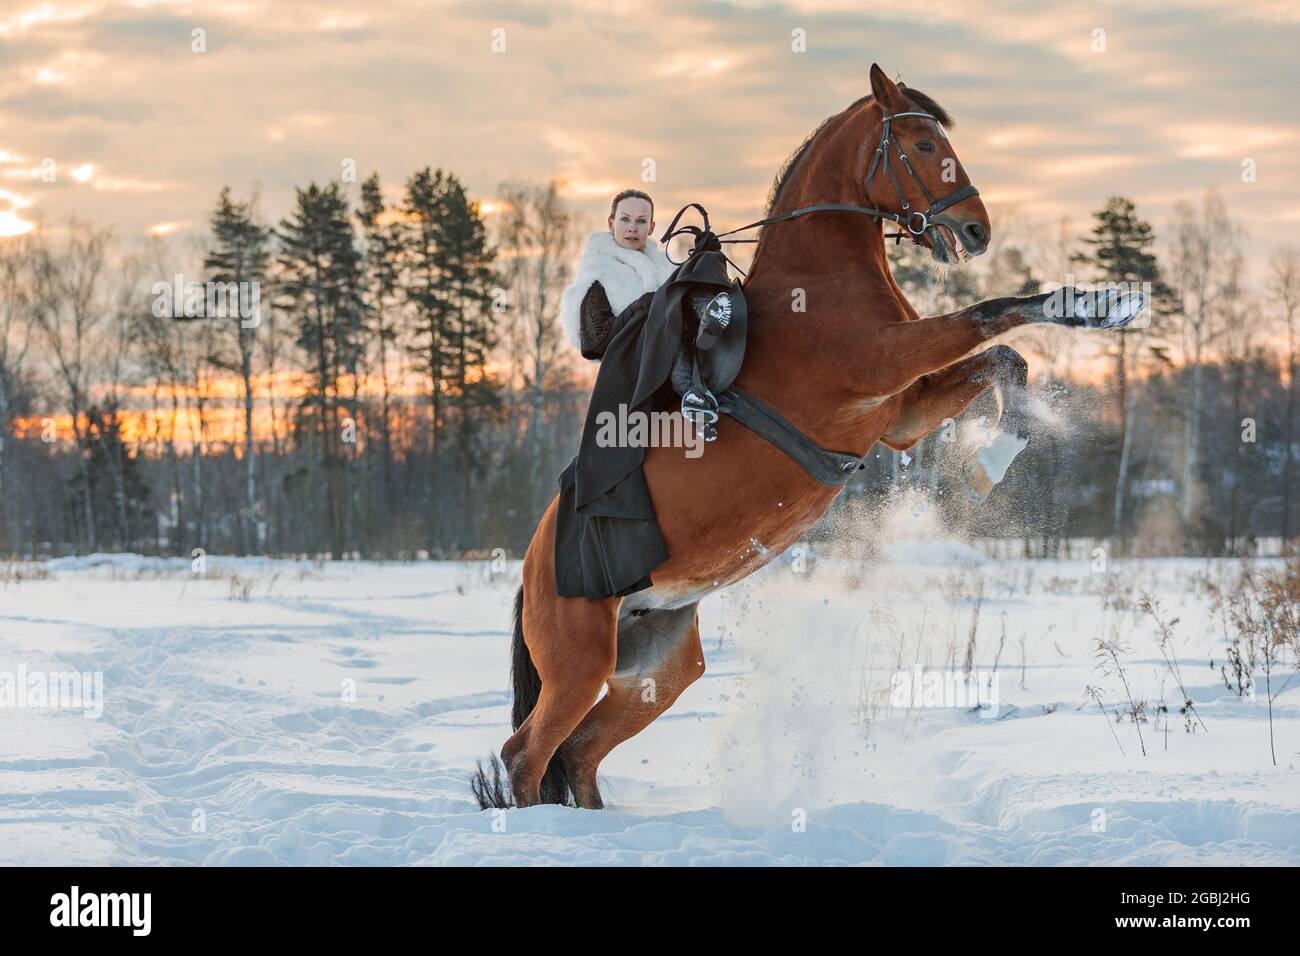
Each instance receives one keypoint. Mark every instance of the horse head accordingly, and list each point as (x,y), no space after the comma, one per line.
(913,171)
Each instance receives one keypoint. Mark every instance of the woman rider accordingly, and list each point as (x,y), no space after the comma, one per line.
(621,268)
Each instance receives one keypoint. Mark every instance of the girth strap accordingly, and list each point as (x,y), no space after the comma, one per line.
(832,468)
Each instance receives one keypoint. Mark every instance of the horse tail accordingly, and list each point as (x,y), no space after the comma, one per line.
(525,682)
(526,685)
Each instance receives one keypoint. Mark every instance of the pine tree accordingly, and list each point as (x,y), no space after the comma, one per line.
(1120,252)
(429,341)
(382,280)
(465,261)
(238,254)
(449,283)
(320,286)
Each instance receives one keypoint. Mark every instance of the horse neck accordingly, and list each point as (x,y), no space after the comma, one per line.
(809,364)
(832,169)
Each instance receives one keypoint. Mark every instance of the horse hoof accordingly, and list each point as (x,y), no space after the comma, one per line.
(988,465)
(1108,308)
(1126,307)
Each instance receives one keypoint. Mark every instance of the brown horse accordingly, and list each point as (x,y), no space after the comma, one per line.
(835,347)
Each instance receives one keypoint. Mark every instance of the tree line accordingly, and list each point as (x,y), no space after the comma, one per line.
(401,390)
(400,386)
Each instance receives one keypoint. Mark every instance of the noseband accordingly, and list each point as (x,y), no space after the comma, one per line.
(907,218)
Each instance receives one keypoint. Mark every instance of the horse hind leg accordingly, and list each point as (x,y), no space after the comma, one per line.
(565,650)
(568,688)
(659,656)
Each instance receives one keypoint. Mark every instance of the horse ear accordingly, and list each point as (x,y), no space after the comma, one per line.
(886,91)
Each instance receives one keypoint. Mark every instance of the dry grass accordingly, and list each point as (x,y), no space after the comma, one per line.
(14,573)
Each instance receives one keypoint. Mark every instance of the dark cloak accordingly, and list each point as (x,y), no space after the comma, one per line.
(607,538)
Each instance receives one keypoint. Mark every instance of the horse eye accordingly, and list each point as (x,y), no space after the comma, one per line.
(925,147)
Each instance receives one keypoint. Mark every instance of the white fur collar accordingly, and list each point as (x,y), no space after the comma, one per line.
(625,274)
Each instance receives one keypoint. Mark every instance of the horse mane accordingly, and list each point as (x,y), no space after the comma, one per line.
(922,101)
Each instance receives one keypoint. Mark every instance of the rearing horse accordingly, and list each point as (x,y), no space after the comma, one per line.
(855,366)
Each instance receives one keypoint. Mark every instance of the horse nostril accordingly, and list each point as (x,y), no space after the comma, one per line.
(976,233)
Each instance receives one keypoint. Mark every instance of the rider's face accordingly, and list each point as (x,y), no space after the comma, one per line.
(632,223)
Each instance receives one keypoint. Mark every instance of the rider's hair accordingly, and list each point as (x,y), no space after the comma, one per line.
(631,194)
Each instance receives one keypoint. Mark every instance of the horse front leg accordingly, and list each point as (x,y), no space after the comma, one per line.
(911,349)
(942,396)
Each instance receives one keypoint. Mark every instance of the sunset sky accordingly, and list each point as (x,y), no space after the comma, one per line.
(143,131)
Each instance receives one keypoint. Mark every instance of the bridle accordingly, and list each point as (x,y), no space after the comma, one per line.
(906,219)
(881,161)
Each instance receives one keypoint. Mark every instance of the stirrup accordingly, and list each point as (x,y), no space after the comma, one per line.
(715,315)
(699,405)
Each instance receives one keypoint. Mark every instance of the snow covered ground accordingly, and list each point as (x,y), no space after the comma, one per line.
(333,715)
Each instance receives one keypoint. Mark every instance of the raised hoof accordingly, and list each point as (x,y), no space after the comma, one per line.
(1109,308)
(988,465)
(1127,307)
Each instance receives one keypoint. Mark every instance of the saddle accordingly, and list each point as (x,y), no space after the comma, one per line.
(714,329)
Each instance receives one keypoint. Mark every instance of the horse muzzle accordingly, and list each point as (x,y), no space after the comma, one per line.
(971,233)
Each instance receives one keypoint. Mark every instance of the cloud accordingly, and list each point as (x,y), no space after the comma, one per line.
(588,90)
(46,103)
(502,12)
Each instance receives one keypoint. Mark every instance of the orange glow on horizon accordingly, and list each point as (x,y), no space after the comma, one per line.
(170,413)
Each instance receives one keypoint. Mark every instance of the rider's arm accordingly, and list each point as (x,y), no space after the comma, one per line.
(597,322)
(600,324)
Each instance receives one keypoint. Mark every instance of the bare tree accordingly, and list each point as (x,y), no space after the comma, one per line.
(15,338)
(1284,290)
(120,374)
(537,241)
(1202,247)
(168,354)
(69,313)
(1239,323)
